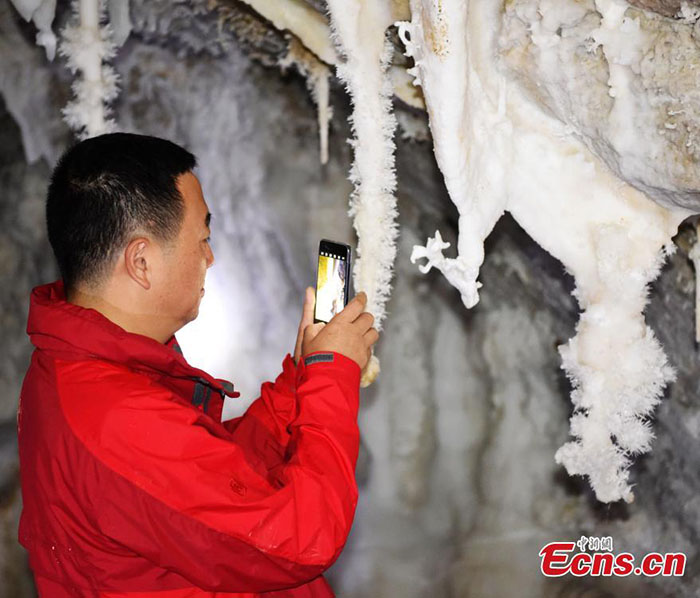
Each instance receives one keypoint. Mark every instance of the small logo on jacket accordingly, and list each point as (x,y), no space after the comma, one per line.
(318,358)
(237,486)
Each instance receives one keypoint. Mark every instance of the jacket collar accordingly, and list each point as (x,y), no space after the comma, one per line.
(75,332)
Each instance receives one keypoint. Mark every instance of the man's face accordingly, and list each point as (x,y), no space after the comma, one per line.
(180,282)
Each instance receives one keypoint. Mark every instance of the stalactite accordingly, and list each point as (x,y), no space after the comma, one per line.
(359,30)
(119,21)
(317,75)
(499,151)
(86,46)
(41,12)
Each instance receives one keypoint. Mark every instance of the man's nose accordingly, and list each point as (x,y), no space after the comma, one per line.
(210,256)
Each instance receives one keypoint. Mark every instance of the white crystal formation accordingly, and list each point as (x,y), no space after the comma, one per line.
(360,33)
(499,150)
(624,79)
(41,13)
(87,45)
(317,76)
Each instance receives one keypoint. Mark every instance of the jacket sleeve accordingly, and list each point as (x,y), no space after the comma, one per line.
(180,491)
(263,430)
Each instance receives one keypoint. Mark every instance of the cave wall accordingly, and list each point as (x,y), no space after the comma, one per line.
(459,489)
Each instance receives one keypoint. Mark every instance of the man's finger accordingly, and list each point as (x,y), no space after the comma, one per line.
(364,321)
(371,336)
(307,316)
(354,308)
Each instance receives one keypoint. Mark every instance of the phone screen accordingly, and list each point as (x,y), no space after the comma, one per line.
(331,287)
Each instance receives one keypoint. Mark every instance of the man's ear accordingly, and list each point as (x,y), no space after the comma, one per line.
(136,261)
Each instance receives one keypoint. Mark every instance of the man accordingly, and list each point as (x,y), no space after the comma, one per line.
(131,484)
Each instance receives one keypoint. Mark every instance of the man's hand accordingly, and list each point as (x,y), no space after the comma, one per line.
(349,333)
(307,319)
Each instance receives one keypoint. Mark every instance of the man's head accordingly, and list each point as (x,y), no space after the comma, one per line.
(129,225)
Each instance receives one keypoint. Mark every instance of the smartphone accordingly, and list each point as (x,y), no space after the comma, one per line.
(332,279)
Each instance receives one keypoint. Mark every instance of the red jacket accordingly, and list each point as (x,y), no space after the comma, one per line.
(132,486)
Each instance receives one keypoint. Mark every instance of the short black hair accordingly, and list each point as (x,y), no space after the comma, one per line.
(106,188)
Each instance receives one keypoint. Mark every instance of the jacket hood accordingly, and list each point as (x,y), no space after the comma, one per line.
(74,332)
